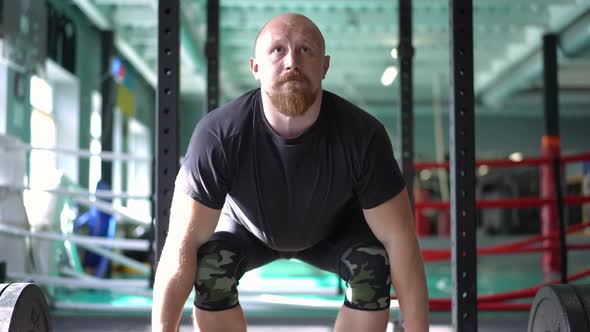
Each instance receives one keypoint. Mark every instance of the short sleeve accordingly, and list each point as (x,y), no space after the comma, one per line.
(380,177)
(204,174)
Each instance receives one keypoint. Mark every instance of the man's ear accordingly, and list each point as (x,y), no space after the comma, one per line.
(326,64)
(254,68)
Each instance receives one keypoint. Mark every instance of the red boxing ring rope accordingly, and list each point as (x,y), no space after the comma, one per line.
(527,202)
(493,302)
(507,163)
(431,255)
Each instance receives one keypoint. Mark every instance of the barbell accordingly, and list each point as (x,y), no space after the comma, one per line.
(563,308)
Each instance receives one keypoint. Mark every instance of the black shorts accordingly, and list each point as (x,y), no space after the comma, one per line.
(351,251)
(324,255)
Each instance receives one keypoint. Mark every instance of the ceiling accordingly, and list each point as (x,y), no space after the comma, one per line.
(360,36)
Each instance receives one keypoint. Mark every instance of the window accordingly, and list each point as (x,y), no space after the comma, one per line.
(95,171)
(139,172)
(43,164)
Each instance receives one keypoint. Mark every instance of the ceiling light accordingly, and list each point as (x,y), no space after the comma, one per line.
(389,75)
(516,156)
(394,53)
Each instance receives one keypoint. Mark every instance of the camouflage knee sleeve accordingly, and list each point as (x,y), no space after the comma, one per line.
(367,276)
(217,277)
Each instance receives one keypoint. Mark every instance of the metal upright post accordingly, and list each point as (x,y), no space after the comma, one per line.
(167,115)
(406,121)
(462,151)
(212,53)
(552,149)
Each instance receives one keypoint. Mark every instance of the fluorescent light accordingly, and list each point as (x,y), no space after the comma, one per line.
(394,53)
(516,156)
(389,75)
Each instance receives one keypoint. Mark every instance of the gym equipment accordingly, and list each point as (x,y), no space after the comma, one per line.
(564,308)
(23,307)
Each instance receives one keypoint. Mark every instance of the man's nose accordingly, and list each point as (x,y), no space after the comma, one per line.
(291,60)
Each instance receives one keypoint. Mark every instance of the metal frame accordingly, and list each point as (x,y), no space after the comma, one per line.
(462,153)
(167,115)
(406,121)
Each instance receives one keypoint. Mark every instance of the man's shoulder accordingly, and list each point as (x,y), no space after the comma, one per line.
(242,103)
(232,116)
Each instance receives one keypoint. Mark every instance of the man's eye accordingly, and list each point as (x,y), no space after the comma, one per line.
(277,50)
(305,50)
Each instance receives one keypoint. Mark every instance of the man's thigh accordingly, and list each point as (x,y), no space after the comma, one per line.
(222,261)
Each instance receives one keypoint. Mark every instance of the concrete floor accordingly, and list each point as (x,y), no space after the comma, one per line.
(440,323)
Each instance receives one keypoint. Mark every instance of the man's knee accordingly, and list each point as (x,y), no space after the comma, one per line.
(366,271)
(217,275)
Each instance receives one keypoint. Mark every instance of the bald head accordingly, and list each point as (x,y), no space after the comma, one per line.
(290,21)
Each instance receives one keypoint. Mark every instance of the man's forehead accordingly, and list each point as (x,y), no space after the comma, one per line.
(301,35)
(291,26)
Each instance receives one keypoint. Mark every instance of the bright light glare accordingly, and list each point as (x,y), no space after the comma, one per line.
(389,75)
(425,174)
(95,171)
(516,156)
(483,170)
(95,125)
(394,53)
(41,95)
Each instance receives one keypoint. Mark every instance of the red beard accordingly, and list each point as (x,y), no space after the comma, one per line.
(292,99)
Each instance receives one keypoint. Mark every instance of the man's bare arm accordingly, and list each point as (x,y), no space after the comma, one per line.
(191,225)
(393,224)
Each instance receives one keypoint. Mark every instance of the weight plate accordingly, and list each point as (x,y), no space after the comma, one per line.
(2,287)
(557,308)
(583,292)
(23,308)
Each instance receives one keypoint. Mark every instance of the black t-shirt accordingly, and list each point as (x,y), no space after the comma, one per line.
(290,193)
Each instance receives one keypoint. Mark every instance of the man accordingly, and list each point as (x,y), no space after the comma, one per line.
(290,171)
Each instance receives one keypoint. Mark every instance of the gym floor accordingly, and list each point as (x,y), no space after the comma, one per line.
(487,323)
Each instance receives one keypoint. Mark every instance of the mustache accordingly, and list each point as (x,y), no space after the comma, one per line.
(292,76)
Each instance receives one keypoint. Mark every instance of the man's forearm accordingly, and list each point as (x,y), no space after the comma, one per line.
(409,281)
(173,284)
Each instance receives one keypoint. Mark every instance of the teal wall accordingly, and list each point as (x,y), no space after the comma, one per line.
(496,136)
(191,111)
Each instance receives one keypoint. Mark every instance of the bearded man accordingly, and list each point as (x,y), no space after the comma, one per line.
(290,170)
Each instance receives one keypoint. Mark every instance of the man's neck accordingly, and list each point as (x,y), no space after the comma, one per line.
(290,126)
